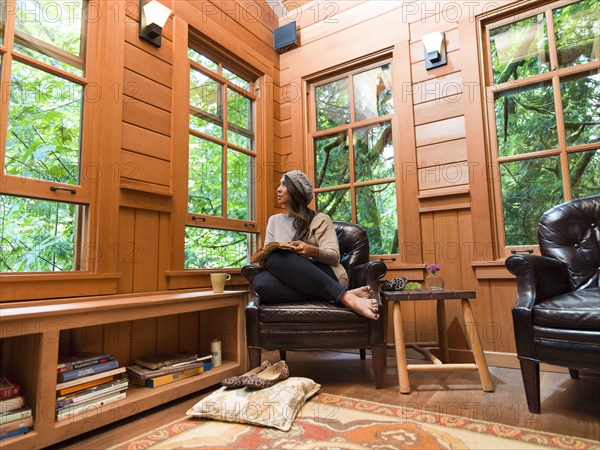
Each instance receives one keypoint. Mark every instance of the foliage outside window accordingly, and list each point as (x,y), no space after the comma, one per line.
(544,82)
(43,196)
(354,154)
(221,165)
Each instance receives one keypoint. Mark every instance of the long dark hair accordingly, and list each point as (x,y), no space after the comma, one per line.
(298,209)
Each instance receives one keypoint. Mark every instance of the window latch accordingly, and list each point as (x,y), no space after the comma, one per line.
(387,259)
(203,219)
(528,250)
(60,188)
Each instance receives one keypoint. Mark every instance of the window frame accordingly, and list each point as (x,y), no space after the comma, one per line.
(239,68)
(487,22)
(348,72)
(82,194)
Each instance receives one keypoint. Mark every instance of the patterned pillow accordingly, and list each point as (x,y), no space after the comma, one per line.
(395,284)
(275,406)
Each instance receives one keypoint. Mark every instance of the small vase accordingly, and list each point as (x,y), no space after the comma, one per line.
(434,282)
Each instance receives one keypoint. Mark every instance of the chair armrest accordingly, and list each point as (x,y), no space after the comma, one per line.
(368,274)
(250,271)
(538,278)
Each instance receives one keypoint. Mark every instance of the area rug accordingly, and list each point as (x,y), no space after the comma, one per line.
(335,422)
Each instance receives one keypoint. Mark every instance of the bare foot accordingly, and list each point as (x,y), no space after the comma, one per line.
(366,307)
(362,292)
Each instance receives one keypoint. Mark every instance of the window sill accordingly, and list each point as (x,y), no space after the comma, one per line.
(491,270)
(200,278)
(39,286)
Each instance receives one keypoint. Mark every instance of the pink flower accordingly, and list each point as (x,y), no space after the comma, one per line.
(433,267)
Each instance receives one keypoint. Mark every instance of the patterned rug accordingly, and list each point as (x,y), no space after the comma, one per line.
(335,422)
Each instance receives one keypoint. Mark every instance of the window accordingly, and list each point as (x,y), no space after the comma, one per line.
(351,134)
(221,223)
(44,195)
(543,88)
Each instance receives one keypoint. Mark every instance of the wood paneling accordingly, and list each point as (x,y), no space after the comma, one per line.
(441,131)
(146,116)
(148,65)
(145,142)
(144,168)
(146,90)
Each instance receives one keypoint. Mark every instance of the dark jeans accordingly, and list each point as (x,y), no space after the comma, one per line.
(291,278)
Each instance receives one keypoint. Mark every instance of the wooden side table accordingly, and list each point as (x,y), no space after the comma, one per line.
(438,365)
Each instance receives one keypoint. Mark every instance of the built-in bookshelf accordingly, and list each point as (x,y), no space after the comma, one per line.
(33,334)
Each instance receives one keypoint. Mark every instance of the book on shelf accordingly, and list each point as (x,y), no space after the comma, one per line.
(10,403)
(9,387)
(70,411)
(92,393)
(16,414)
(14,433)
(170,378)
(164,359)
(87,371)
(80,387)
(261,255)
(16,425)
(79,360)
(90,378)
(143,373)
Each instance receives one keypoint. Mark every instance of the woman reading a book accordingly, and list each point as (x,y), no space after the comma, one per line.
(308,267)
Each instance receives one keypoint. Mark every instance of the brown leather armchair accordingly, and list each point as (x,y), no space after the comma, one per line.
(557,314)
(321,325)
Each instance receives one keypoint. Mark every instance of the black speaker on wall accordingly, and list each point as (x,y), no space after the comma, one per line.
(285,37)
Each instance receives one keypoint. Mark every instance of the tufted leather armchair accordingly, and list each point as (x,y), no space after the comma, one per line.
(557,314)
(321,325)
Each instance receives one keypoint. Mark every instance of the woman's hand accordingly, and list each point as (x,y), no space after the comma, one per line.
(305,250)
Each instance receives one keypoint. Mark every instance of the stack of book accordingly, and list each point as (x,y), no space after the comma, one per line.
(87,381)
(157,370)
(15,416)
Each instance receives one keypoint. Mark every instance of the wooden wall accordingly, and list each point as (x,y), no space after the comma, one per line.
(438,138)
(439,145)
(153,129)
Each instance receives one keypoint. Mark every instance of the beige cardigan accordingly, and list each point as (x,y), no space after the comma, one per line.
(321,233)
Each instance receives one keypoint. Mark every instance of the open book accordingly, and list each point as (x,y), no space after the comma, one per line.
(260,257)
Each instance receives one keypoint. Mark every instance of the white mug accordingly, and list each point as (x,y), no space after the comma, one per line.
(218,281)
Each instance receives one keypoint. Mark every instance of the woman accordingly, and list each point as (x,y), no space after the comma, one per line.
(312,270)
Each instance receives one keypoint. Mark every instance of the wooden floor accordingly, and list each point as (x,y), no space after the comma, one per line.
(570,407)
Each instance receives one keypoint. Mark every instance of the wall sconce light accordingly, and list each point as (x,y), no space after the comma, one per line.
(153,17)
(434,45)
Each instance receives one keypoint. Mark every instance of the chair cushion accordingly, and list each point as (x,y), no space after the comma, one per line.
(576,310)
(308,312)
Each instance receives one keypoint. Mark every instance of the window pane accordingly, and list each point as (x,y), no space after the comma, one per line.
(581,108)
(2,19)
(204,93)
(336,204)
(56,26)
(239,139)
(525,120)
(333,104)
(235,79)
(240,185)
(584,168)
(37,235)
(239,110)
(577,30)
(376,211)
(519,49)
(373,152)
(206,125)
(373,93)
(332,160)
(208,248)
(44,126)
(203,60)
(205,177)
(529,188)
